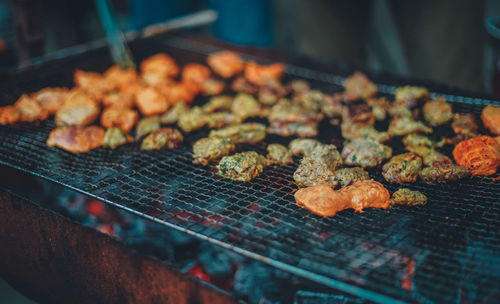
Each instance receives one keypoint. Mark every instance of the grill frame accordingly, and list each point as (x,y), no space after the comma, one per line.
(397,246)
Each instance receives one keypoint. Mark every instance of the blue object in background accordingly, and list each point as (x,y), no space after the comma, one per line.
(146,12)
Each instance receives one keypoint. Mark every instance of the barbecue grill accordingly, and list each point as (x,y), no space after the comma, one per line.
(445,251)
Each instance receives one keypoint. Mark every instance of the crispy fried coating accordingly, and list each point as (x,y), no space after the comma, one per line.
(29,109)
(192,120)
(172,115)
(437,112)
(115,137)
(480,154)
(180,91)
(246,133)
(277,154)
(165,137)
(147,125)
(418,140)
(358,86)
(51,99)
(79,109)
(219,120)
(348,176)
(411,97)
(312,172)
(242,167)
(122,118)
(365,153)
(429,155)
(76,139)
(402,168)
(209,149)
(303,146)
(407,197)
(9,115)
(260,74)
(119,78)
(119,99)
(94,84)
(218,103)
(151,102)
(402,126)
(226,63)
(195,72)
(161,65)
(245,106)
(440,172)
(324,201)
(491,118)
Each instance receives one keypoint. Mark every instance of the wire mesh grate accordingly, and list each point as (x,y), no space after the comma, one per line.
(445,251)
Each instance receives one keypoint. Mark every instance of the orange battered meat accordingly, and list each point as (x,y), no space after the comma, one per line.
(51,99)
(491,119)
(195,72)
(79,109)
(151,102)
(9,115)
(92,83)
(359,86)
(480,154)
(76,139)
(123,99)
(120,78)
(122,118)
(226,63)
(323,200)
(161,65)
(29,109)
(260,74)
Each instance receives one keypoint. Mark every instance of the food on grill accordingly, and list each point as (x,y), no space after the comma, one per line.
(226,63)
(9,115)
(119,78)
(440,172)
(51,99)
(246,133)
(418,140)
(365,153)
(192,120)
(245,106)
(212,148)
(480,154)
(30,110)
(287,118)
(119,100)
(212,86)
(491,118)
(271,92)
(195,72)
(298,86)
(380,106)
(332,106)
(354,131)
(165,137)
(303,146)
(122,118)
(93,84)
(175,92)
(348,176)
(360,114)
(242,85)
(324,201)
(319,167)
(76,139)
(411,97)
(402,126)
(242,167)
(151,102)
(219,120)
(437,112)
(79,109)
(400,110)
(278,154)
(147,125)
(408,197)
(115,137)
(429,155)
(218,103)
(260,74)
(172,115)
(160,66)
(358,86)
(464,124)
(402,168)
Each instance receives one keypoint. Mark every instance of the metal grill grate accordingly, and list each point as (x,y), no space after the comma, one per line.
(446,251)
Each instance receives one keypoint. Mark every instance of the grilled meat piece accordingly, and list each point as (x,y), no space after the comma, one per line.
(218,103)
(429,155)
(312,172)
(331,105)
(246,133)
(242,85)
(93,84)
(365,153)
(119,78)
(324,201)
(195,72)
(408,197)
(76,139)
(354,131)
(278,154)
(402,168)
(380,106)
(491,119)
(437,112)
(30,110)
(271,92)
(161,65)
(411,97)
(122,118)
(115,137)
(480,154)
(443,173)
(360,114)
(151,102)
(260,74)
(226,63)
(242,167)
(303,130)
(164,137)
(401,126)
(119,100)
(358,86)
(209,149)
(79,109)
(303,146)
(287,119)
(329,155)
(147,125)
(348,176)
(212,86)
(397,110)
(464,124)
(192,120)
(418,140)
(245,106)
(9,115)
(172,115)
(218,120)
(51,99)
(310,100)
(298,86)
(175,92)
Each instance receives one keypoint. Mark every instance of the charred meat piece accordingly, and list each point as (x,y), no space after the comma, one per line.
(331,105)
(418,140)
(161,65)
(147,125)
(122,118)
(365,153)
(119,100)
(242,85)
(79,109)
(260,74)
(51,99)
(380,106)
(115,137)
(165,137)
(480,154)
(411,97)
(348,176)
(353,131)
(312,172)
(218,103)
(9,115)
(192,120)
(208,149)
(218,120)
(303,146)
(278,154)
(358,86)
(30,110)
(404,125)
(246,133)
(360,114)
(437,112)
(226,63)
(402,168)
(491,118)
(408,197)
(245,106)
(172,115)
(464,124)
(242,167)
(76,139)
(324,201)
(151,102)
(443,173)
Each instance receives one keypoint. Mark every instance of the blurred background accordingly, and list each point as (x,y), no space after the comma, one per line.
(443,40)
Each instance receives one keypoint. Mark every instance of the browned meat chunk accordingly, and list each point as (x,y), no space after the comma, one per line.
(261,74)
(212,148)
(491,118)
(242,167)
(303,146)
(365,153)
(278,154)
(407,197)
(76,139)
(30,110)
(51,99)
(246,133)
(402,126)
(348,176)
(437,112)
(443,173)
(165,137)
(411,97)
(115,137)
(226,63)
(358,86)
(402,168)
(79,109)
(151,102)
(122,118)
